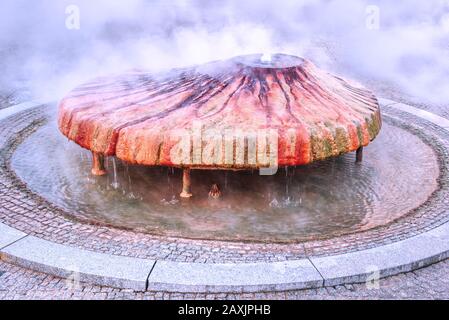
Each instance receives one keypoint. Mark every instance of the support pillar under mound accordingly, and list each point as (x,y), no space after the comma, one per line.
(98,168)
(359,155)
(186,190)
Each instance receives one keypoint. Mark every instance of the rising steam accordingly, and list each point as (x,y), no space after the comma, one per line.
(402,42)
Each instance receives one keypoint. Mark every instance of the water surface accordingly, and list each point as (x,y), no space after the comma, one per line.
(324,199)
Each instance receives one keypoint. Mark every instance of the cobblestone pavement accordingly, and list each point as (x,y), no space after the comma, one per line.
(6,100)
(10,97)
(428,283)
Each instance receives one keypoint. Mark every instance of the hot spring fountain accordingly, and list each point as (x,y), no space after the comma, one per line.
(263,143)
(230,175)
(249,112)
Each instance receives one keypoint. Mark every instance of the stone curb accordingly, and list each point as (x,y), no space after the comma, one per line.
(9,235)
(4,113)
(142,274)
(387,260)
(429,116)
(77,264)
(234,277)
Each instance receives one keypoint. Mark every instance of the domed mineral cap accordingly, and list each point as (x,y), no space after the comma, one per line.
(243,113)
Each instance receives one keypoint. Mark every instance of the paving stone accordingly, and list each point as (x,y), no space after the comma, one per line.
(196,277)
(82,265)
(440,121)
(4,113)
(9,235)
(406,255)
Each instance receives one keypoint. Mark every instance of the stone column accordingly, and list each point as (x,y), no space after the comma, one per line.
(359,155)
(186,191)
(98,164)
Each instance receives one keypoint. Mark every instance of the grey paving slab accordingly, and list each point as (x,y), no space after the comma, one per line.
(4,113)
(429,116)
(385,260)
(436,119)
(9,235)
(386,102)
(78,264)
(243,277)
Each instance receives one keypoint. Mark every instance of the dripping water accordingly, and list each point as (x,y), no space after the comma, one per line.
(130,184)
(115,183)
(106,165)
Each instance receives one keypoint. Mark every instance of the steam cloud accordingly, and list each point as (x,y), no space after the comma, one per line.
(407,47)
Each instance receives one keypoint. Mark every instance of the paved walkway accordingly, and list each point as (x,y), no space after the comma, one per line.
(428,283)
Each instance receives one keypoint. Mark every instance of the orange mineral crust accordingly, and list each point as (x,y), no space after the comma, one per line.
(241,113)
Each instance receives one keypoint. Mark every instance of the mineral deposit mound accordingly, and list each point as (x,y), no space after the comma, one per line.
(238,114)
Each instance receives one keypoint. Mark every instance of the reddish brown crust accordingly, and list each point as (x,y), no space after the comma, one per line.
(138,117)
